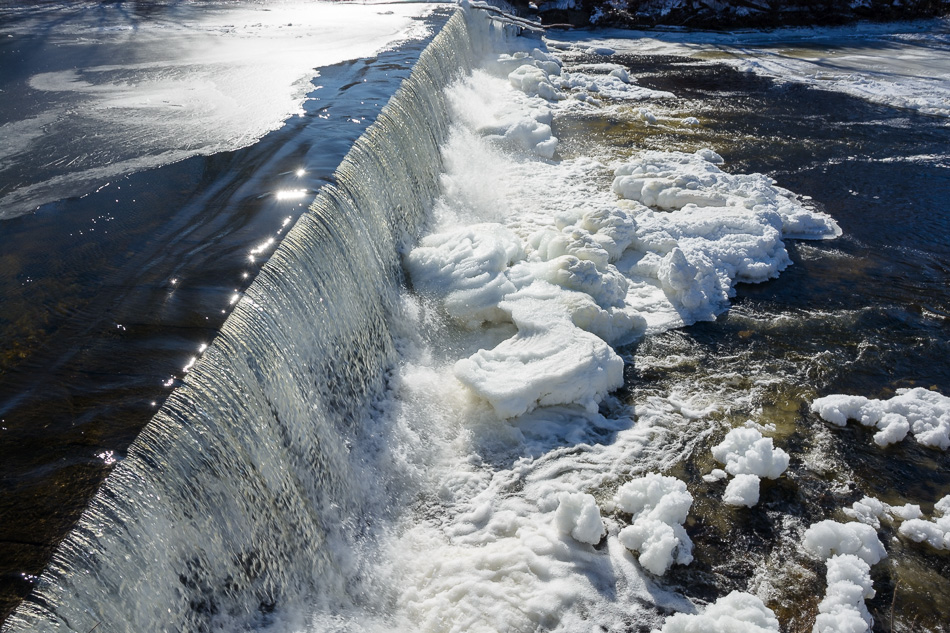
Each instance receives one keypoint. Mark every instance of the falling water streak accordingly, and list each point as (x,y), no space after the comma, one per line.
(222,510)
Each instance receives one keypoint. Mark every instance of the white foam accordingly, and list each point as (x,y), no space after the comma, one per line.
(849,550)
(578,515)
(935,532)
(749,457)
(549,361)
(658,506)
(737,612)
(843,610)
(535,274)
(743,490)
(920,411)
(830,538)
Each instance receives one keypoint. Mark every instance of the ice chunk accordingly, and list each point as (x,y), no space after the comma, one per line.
(829,538)
(549,361)
(465,268)
(658,506)
(578,515)
(737,612)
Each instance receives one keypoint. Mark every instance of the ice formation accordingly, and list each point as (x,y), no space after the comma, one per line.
(215,81)
(658,506)
(737,612)
(906,79)
(536,275)
(749,457)
(849,550)
(920,411)
(935,533)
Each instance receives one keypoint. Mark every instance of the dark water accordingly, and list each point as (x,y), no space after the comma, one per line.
(865,314)
(108,296)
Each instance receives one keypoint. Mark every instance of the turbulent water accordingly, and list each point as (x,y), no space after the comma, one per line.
(511,372)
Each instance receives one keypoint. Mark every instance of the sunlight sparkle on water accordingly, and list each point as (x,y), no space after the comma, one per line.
(291,194)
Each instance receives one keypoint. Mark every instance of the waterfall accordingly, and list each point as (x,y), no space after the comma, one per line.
(226,504)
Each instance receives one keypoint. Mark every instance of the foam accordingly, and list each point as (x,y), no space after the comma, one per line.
(843,610)
(578,515)
(549,361)
(849,550)
(924,413)
(830,538)
(658,506)
(936,532)
(738,612)
(749,457)
(743,490)
(539,501)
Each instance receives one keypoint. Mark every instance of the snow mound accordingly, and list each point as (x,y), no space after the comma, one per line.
(578,515)
(749,457)
(658,506)
(736,613)
(920,411)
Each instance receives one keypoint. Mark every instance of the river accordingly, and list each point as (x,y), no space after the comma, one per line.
(452,433)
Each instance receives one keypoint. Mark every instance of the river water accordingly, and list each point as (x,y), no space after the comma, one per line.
(99,337)
(180,144)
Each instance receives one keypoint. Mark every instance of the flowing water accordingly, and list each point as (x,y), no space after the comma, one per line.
(335,460)
(148,264)
(864,314)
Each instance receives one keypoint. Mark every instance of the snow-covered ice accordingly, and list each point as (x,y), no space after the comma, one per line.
(915,74)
